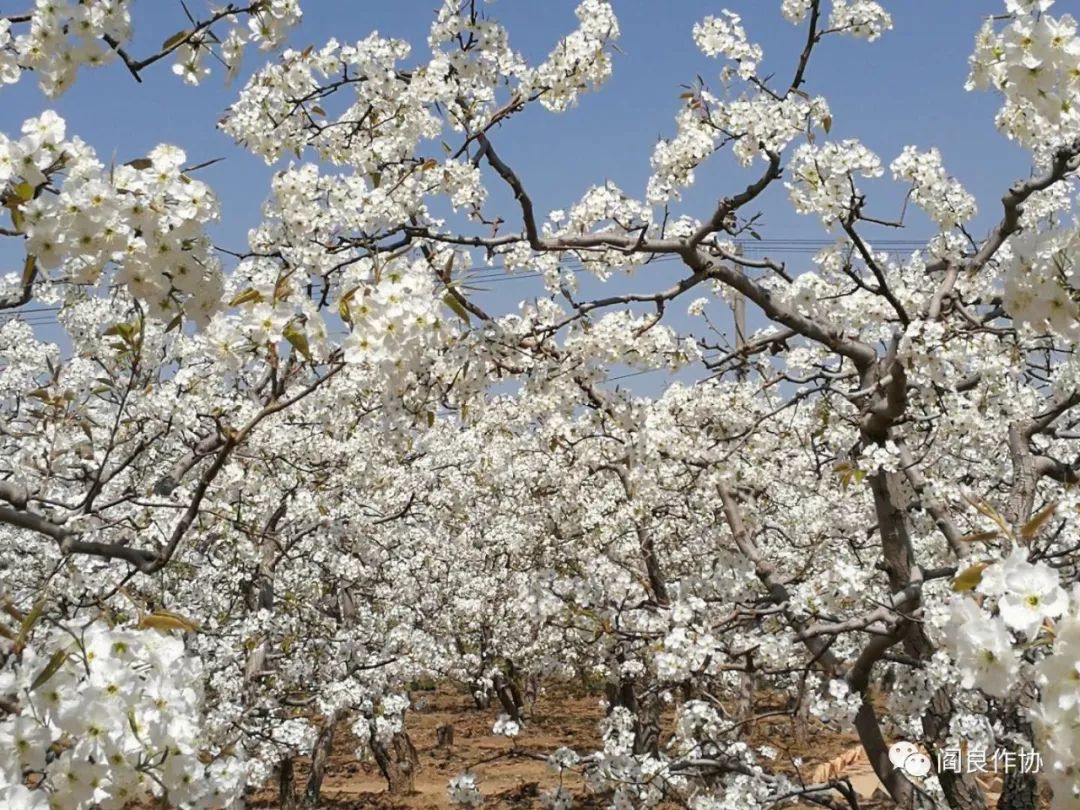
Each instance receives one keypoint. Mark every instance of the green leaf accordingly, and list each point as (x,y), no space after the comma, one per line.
(980,537)
(167,620)
(175,40)
(1041,641)
(848,473)
(247,296)
(140,163)
(24,191)
(969,578)
(1031,528)
(987,510)
(455,306)
(55,662)
(133,724)
(344,312)
(14,201)
(826,124)
(297,339)
(124,331)
(28,624)
(29,268)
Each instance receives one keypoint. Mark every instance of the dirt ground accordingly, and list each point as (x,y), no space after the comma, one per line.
(513,775)
(507,772)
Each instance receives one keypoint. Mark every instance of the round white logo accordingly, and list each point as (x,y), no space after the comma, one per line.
(908,758)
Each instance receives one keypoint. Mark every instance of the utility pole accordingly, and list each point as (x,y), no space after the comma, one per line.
(738,311)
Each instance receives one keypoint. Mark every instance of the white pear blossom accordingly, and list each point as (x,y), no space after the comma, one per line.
(725,36)
(251,491)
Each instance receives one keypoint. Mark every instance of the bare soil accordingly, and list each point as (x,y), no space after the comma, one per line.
(512,774)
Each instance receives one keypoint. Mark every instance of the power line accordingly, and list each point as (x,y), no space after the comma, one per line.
(494,274)
(497,276)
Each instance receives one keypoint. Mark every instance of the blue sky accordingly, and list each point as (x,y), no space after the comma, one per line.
(905,88)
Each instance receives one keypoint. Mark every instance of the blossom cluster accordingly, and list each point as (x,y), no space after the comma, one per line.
(725,35)
(108,716)
(62,37)
(145,218)
(1041,280)
(942,197)
(464,792)
(1033,62)
(364,471)
(398,320)
(758,126)
(794,11)
(580,61)
(268,24)
(823,178)
(864,19)
(1024,606)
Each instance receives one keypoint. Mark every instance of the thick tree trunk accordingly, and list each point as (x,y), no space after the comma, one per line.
(1021,790)
(320,757)
(481,698)
(961,790)
(480,694)
(286,784)
(801,719)
(653,570)
(646,710)
(509,696)
(397,763)
(513,681)
(744,701)
(444,736)
(647,725)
